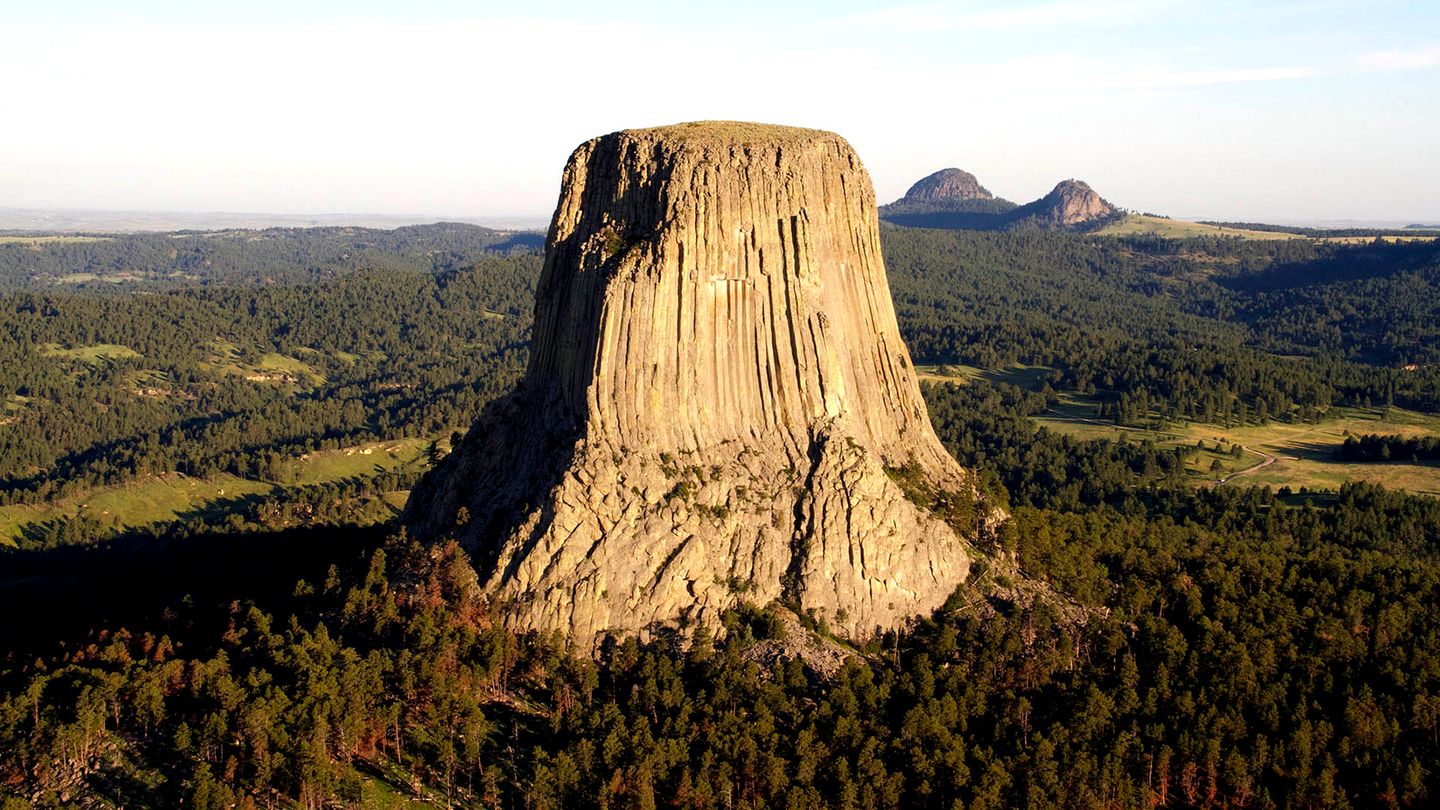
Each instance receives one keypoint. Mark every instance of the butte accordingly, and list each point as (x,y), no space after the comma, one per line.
(718,407)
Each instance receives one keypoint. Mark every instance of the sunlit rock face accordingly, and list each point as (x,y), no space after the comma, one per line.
(716,389)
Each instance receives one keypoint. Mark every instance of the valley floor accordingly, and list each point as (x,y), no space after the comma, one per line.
(152,501)
(1275,454)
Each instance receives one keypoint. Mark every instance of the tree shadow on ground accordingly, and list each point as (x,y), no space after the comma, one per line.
(57,596)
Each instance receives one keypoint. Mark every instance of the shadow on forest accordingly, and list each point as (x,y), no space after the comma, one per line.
(1351,263)
(61,595)
(1323,451)
(1311,450)
(49,534)
(522,241)
(950,220)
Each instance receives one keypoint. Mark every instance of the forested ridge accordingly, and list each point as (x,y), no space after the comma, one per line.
(1251,654)
(247,257)
(258,346)
(380,353)
(1240,647)
(1209,328)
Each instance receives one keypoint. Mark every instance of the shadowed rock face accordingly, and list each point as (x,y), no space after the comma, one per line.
(716,388)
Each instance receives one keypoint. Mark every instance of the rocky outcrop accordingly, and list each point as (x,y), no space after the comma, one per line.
(946,192)
(1069,205)
(947,187)
(718,407)
(954,199)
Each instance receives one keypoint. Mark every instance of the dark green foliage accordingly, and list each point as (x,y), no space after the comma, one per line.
(986,427)
(1251,655)
(250,258)
(402,353)
(1211,329)
(1240,650)
(1389,448)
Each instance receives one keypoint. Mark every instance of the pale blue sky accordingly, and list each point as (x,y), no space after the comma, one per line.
(1324,110)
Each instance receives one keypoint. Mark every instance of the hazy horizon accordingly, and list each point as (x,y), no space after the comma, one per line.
(1286,113)
(55,220)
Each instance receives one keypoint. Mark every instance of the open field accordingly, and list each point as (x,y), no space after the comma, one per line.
(225,358)
(1302,453)
(1019,376)
(120,278)
(1275,454)
(159,499)
(1357,240)
(1140,225)
(362,461)
(283,366)
(142,502)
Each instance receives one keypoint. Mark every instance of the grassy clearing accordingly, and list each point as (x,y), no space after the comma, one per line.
(1361,240)
(1019,376)
(362,461)
(226,358)
(143,502)
(1303,453)
(147,380)
(286,367)
(11,407)
(1142,225)
(160,499)
(92,355)
(386,786)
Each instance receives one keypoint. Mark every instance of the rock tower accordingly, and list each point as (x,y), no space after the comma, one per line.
(718,407)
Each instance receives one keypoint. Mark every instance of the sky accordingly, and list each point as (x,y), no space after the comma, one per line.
(1271,111)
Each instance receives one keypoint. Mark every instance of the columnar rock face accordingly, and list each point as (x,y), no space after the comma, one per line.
(718,406)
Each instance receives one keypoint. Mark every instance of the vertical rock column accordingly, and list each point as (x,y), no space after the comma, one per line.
(716,388)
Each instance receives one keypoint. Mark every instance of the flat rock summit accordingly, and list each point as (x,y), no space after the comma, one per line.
(718,407)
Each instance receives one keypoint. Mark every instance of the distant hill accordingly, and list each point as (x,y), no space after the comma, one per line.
(948,191)
(64,220)
(246,257)
(1071,205)
(954,199)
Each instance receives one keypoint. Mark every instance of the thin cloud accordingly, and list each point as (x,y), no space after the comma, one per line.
(1199,78)
(1399,60)
(972,17)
